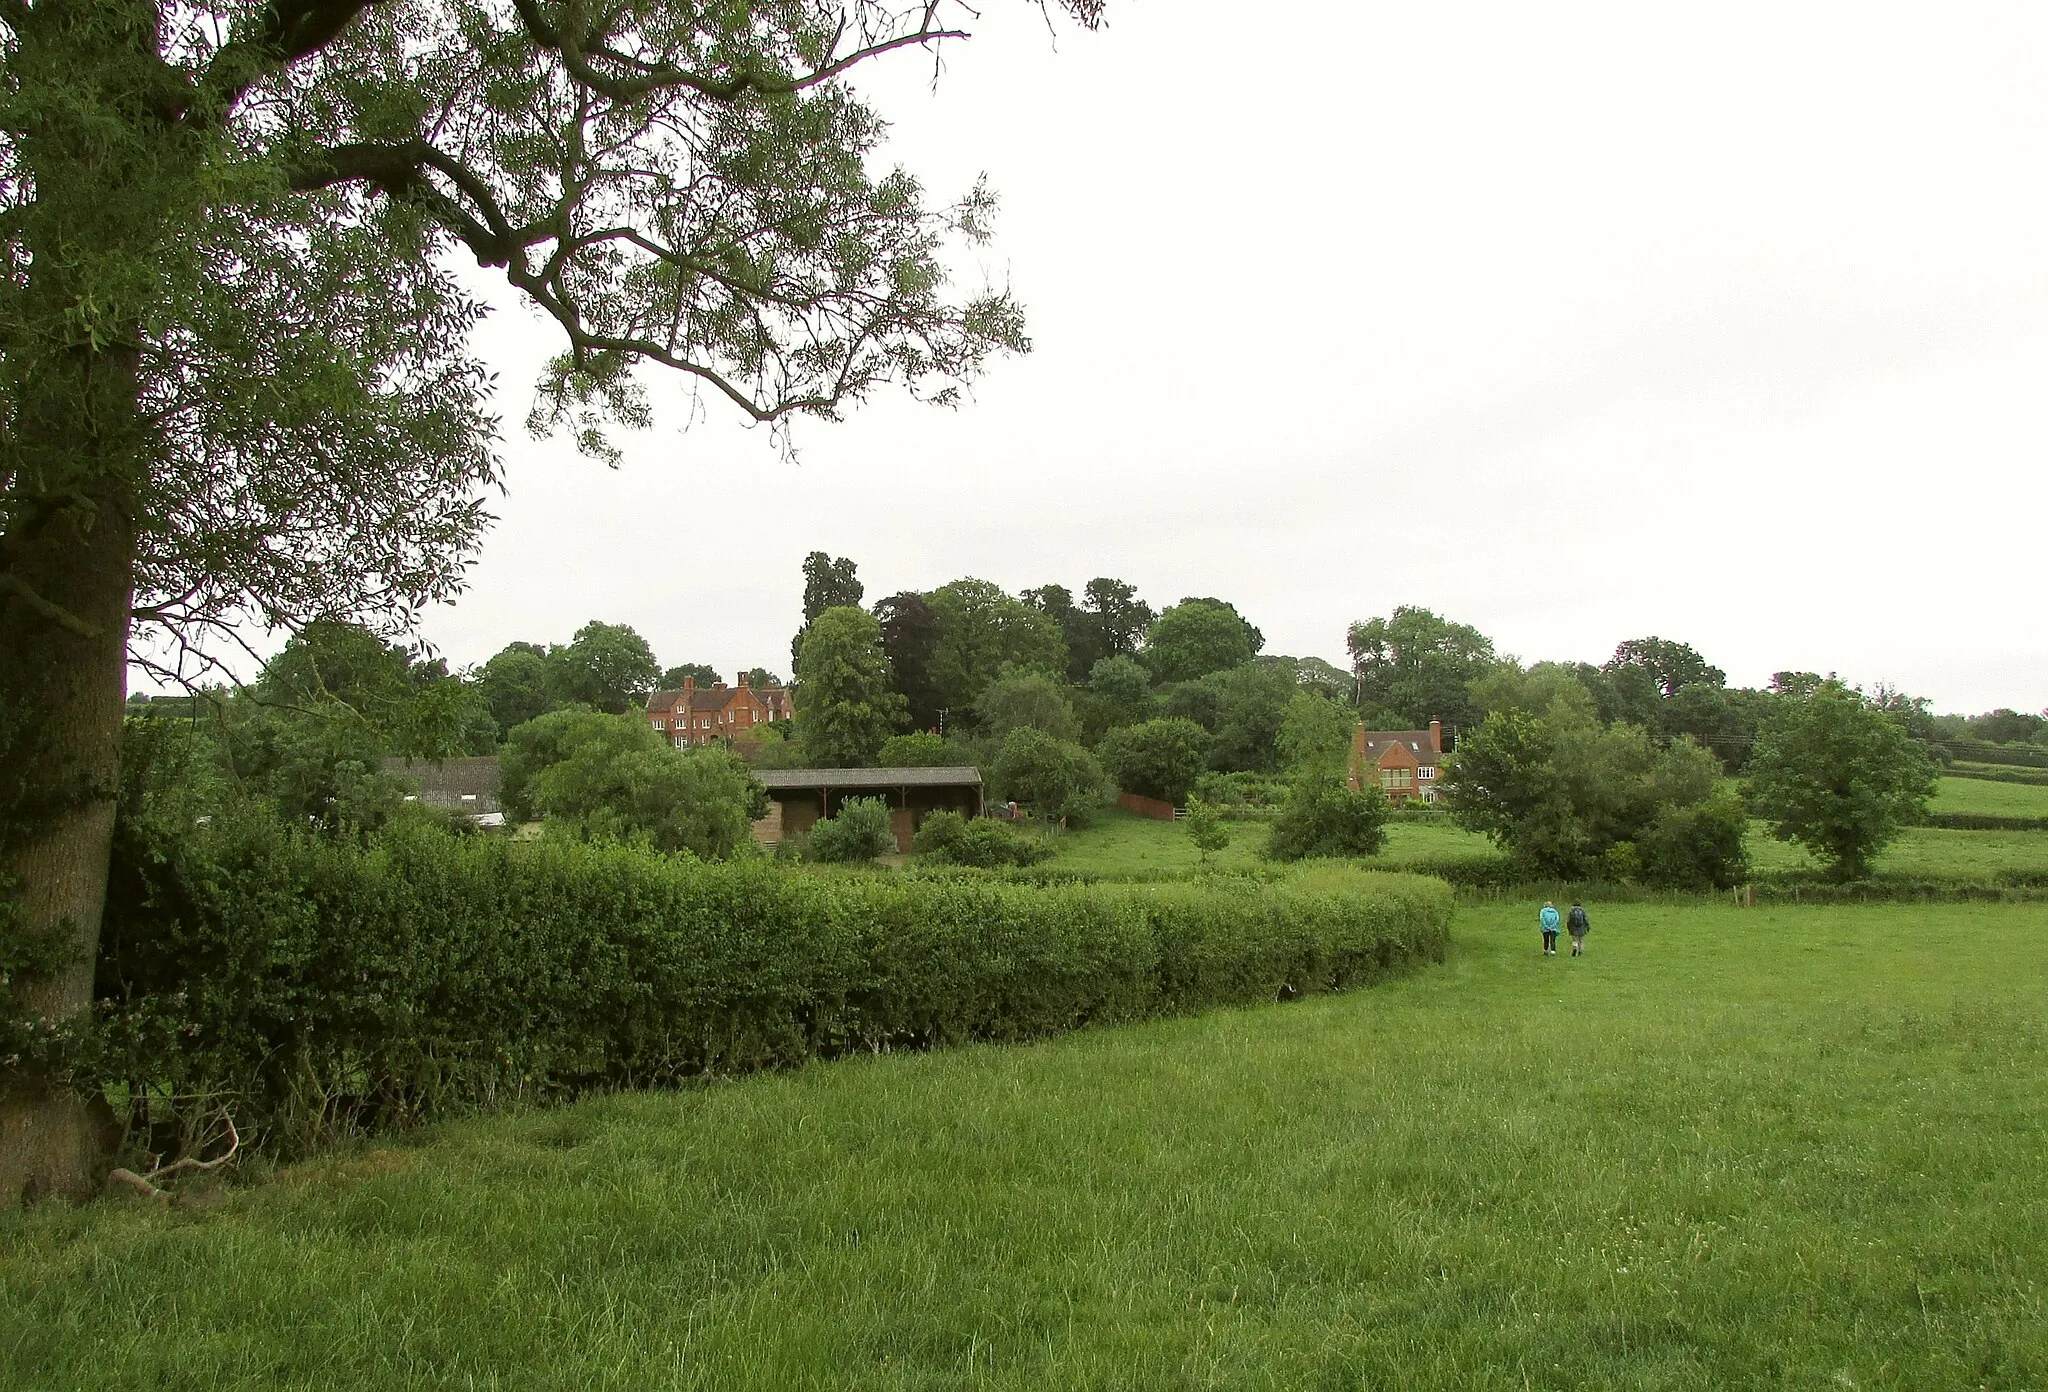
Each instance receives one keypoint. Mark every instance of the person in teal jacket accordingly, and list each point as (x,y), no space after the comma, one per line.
(1548,918)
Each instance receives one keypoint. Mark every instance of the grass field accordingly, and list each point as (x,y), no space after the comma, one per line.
(1787,1148)
(1120,841)
(1985,798)
(1926,853)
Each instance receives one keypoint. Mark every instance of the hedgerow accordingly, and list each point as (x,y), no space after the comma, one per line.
(316,987)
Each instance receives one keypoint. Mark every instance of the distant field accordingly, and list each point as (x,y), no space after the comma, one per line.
(1981,797)
(1119,842)
(1775,1148)
(1924,853)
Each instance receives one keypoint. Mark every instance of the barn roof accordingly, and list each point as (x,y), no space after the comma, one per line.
(958,777)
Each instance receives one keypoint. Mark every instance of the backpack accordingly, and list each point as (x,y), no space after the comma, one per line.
(1578,919)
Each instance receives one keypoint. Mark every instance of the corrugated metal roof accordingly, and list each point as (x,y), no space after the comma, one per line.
(961,777)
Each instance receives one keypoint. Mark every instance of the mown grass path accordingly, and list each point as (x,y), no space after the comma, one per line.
(1789,1147)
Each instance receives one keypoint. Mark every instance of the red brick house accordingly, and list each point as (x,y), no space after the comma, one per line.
(1405,763)
(699,715)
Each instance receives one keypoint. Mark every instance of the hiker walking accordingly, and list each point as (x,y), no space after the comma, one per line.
(1578,923)
(1548,918)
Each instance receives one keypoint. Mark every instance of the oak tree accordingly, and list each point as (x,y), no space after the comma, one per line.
(236,377)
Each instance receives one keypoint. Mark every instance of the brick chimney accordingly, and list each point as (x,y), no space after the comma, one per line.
(1436,736)
(718,686)
(689,687)
(742,680)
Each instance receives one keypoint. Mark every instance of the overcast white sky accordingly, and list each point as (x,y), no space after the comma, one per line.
(1575,322)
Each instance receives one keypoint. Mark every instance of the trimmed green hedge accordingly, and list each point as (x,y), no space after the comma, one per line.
(1996,773)
(1984,821)
(320,987)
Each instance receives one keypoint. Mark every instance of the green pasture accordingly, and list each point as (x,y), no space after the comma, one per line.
(1981,797)
(1925,853)
(1119,842)
(1792,1147)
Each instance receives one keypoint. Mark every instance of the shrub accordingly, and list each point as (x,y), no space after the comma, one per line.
(1322,817)
(1241,789)
(978,841)
(318,987)
(1205,828)
(1059,779)
(921,750)
(1159,758)
(860,832)
(1696,847)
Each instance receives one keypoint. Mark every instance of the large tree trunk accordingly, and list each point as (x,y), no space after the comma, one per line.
(72,461)
(63,646)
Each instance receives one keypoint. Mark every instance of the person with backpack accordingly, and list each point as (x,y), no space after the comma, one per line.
(1578,923)
(1548,918)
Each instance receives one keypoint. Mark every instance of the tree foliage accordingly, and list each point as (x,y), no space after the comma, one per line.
(236,366)
(860,831)
(1838,776)
(1156,758)
(1020,699)
(845,709)
(1413,667)
(1323,817)
(701,673)
(919,750)
(829,583)
(982,630)
(1109,620)
(607,666)
(1315,733)
(1560,793)
(1205,828)
(910,637)
(1056,778)
(610,777)
(1196,637)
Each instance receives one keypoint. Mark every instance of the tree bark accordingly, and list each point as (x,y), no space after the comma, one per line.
(66,686)
(72,463)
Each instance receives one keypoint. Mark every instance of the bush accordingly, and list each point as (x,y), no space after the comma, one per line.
(1322,817)
(1158,759)
(1205,828)
(1241,789)
(1059,779)
(921,750)
(860,832)
(1696,847)
(319,987)
(956,840)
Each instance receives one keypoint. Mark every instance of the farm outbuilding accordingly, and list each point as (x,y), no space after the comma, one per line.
(803,797)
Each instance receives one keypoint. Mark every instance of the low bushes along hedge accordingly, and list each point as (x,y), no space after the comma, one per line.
(315,987)
(978,841)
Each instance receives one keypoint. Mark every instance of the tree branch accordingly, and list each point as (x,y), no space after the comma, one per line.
(663,77)
(400,170)
(280,34)
(55,613)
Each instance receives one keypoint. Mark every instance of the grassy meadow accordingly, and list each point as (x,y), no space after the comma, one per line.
(1983,797)
(1120,842)
(1788,1147)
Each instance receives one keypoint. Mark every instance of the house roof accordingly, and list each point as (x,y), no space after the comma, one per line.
(708,698)
(800,779)
(462,785)
(1377,742)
